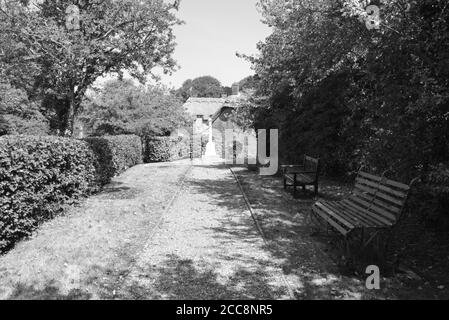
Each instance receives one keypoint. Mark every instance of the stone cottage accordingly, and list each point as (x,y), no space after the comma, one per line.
(215,111)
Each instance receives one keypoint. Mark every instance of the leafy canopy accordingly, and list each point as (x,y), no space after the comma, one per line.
(201,87)
(377,98)
(123,107)
(59,64)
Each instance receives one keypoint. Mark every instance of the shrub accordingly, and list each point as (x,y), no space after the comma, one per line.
(430,198)
(115,154)
(164,149)
(38,175)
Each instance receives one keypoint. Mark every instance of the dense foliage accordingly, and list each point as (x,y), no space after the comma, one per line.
(56,55)
(248,84)
(355,96)
(122,107)
(164,149)
(202,87)
(18,115)
(37,177)
(114,155)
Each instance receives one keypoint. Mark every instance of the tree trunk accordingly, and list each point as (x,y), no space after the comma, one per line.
(65,109)
(70,119)
(71,109)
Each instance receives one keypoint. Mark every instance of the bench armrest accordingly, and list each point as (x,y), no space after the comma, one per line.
(289,167)
(300,172)
(292,165)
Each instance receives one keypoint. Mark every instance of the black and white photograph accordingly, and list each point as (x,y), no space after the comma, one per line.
(236,152)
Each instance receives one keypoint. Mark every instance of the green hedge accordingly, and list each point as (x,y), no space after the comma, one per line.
(38,175)
(165,149)
(115,154)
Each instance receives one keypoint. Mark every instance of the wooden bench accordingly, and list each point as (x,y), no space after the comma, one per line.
(303,175)
(375,204)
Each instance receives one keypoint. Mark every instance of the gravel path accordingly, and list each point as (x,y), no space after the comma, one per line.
(177,231)
(207,247)
(159,231)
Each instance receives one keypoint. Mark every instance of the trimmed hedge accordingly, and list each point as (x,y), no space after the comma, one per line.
(115,154)
(38,175)
(165,149)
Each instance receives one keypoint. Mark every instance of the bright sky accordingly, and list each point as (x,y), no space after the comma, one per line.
(213,32)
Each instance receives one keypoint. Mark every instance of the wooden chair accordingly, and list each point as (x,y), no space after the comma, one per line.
(306,174)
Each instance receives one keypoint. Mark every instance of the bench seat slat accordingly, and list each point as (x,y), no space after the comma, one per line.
(357,220)
(304,178)
(300,178)
(377,219)
(335,215)
(367,219)
(328,219)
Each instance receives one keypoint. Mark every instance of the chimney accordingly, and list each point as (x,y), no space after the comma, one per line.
(235,89)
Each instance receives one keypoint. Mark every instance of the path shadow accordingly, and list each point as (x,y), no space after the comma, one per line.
(181,279)
(49,292)
(289,240)
(119,191)
(284,222)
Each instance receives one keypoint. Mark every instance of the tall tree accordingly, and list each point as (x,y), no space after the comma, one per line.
(372,96)
(64,48)
(201,87)
(249,83)
(18,115)
(123,107)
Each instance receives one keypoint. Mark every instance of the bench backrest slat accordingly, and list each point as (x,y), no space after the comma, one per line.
(391,208)
(312,165)
(392,183)
(379,210)
(380,196)
(372,192)
(384,188)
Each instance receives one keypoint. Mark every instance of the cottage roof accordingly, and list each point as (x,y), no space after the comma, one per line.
(205,107)
(211,107)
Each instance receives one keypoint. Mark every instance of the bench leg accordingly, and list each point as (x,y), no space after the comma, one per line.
(373,237)
(316,189)
(317,224)
(285,182)
(294,187)
(347,247)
